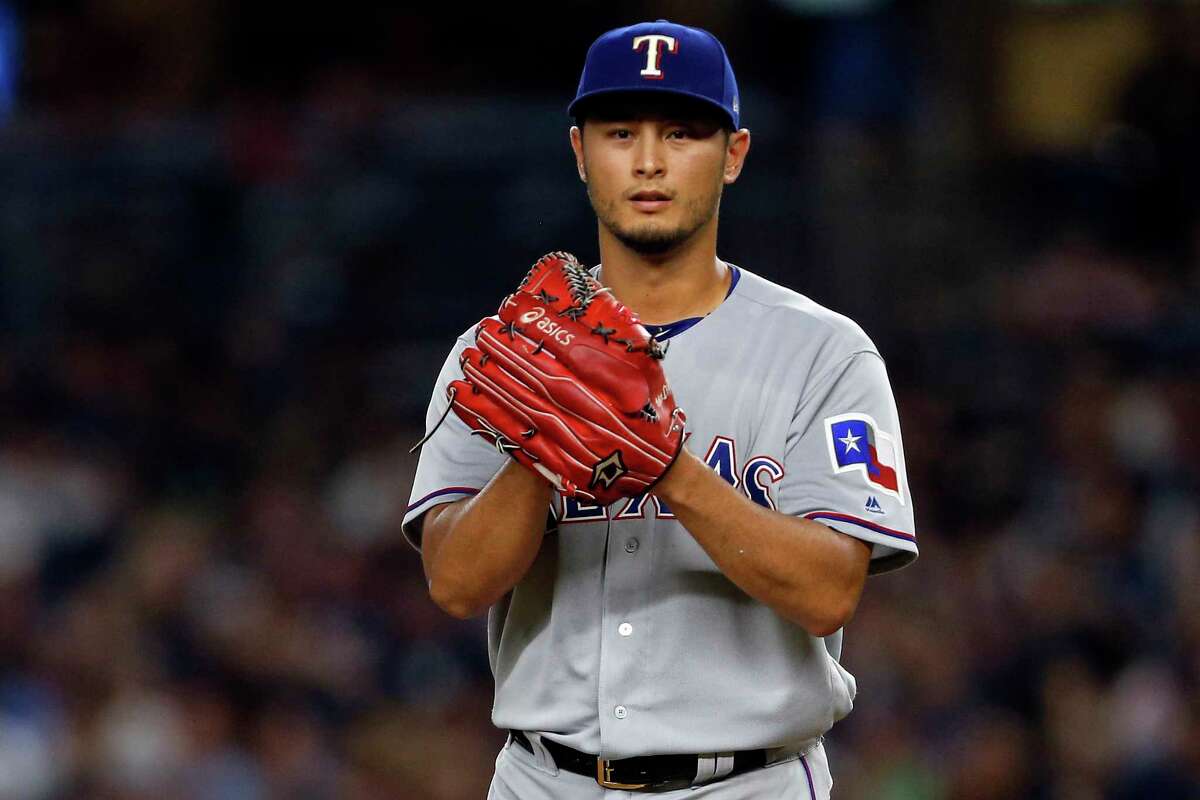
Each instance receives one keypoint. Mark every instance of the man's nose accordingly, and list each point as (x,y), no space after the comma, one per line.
(649,162)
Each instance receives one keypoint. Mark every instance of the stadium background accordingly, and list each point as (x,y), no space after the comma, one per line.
(236,241)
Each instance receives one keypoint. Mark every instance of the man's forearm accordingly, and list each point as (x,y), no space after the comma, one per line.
(807,572)
(475,550)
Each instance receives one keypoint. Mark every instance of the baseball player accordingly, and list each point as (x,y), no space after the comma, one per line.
(666,478)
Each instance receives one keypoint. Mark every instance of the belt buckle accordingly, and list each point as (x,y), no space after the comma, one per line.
(604,777)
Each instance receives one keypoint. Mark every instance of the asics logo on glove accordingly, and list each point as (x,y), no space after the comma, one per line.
(547,326)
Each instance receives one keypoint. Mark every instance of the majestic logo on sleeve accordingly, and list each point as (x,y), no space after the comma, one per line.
(654,43)
(856,444)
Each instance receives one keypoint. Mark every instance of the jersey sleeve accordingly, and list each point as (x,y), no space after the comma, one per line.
(453,464)
(845,461)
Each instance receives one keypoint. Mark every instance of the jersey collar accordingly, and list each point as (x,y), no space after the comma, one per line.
(670,329)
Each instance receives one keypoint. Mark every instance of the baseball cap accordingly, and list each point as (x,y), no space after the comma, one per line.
(664,57)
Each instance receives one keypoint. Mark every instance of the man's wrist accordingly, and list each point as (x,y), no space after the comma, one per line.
(679,482)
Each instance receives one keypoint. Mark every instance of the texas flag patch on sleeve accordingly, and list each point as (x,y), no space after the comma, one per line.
(856,444)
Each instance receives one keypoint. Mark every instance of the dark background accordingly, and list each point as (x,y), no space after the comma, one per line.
(237,240)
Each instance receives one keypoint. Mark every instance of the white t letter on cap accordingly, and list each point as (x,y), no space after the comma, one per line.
(654,52)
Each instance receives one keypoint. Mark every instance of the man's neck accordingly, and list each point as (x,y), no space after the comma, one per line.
(688,282)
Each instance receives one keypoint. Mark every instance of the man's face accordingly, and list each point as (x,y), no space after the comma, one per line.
(655,175)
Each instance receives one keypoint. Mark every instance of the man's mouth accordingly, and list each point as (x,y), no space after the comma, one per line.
(650,200)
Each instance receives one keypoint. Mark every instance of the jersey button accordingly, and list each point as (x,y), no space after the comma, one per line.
(631,545)
(620,712)
(624,629)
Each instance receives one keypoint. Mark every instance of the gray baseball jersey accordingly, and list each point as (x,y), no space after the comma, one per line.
(624,638)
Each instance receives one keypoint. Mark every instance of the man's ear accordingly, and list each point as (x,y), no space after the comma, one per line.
(735,154)
(577,147)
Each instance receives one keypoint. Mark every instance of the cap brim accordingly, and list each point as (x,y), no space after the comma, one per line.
(582,100)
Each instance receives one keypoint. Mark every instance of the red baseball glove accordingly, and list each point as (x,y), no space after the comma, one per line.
(568,383)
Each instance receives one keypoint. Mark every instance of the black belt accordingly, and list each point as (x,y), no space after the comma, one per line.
(640,773)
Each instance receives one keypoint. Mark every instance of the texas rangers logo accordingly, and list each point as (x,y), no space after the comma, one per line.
(856,444)
(654,43)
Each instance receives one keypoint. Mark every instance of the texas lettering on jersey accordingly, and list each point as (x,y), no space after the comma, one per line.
(754,479)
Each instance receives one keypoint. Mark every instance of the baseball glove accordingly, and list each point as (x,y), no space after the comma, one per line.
(568,382)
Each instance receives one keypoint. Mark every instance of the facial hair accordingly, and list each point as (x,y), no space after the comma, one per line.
(650,239)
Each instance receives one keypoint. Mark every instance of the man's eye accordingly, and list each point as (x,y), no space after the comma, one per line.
(621,133)
(679,133)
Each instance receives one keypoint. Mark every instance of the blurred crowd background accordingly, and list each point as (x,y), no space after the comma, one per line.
(237,240)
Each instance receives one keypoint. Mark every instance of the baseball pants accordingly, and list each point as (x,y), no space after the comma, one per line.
(520,775)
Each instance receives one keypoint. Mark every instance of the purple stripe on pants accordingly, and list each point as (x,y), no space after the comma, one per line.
(812,792)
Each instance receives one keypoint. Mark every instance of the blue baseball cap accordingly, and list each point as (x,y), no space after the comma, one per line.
(660,57)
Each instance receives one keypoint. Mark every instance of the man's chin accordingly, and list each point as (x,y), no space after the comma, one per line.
(650,242)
